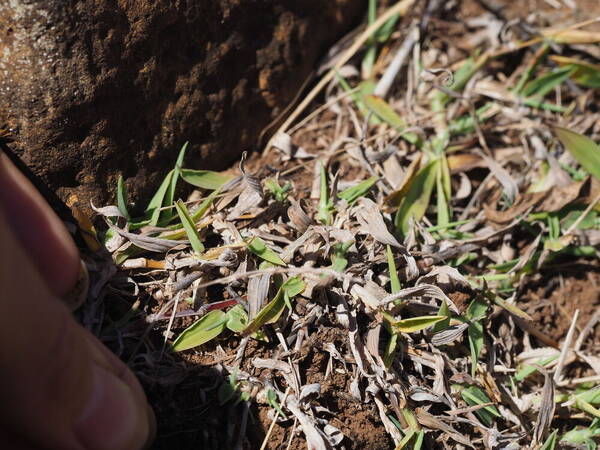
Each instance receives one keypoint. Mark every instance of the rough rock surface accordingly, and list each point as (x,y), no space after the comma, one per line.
(96,88)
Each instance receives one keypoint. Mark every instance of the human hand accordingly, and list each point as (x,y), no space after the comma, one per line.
(60,388)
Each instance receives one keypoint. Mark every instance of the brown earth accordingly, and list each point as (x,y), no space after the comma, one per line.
(96,89)
(181,405)
(553,300)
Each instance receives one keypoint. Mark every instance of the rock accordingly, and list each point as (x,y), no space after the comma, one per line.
(94,89)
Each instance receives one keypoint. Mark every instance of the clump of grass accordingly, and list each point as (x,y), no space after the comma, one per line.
(426,286)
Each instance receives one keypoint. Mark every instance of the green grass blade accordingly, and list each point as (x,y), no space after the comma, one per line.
(419,440)
(587,407)
(293,286)
(237,319)
(339,262)
(205,179)
(475,334)
(202,331)
(190,227)
(153,209)
(122,198)
(443,214)
(269,314)
(528,370)
(260,249)
(443,311)
(353,193)
(206,203)
(168,214)
(386,113)
(474,396)
(585,151)
(394,280)
(550,442)
(273,310)
(547,82)
(324,214)
(528,73)
(417,197)
(390,350)
(366,66)
(415,324)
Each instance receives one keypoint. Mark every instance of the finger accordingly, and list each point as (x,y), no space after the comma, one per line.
(59,389)
(38,229)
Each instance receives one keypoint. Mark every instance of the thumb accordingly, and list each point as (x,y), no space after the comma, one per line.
(60,387)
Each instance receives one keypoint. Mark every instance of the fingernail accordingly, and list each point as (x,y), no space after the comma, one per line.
(112,418)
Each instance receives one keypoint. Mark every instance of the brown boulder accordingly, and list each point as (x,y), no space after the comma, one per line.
(96,88)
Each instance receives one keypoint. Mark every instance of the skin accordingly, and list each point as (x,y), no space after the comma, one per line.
(61,388)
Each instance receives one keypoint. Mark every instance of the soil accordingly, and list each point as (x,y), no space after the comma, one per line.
(553,300)
(182,406)
(96,89)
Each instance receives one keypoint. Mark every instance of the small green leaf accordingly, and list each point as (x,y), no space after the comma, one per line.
(202,331)
(293,286)
(339,262)
(477,309)
(206,203)
(386,30)
(273,310)
(466,123)
(547,82)
(365,87)
(279,192)
(272,399)
(394,280)
(415,324)
(153,209)
(530,369)
(586,74)
(190,227)
(120,256)
(371,54)
(360,190)
(385,112)
(229,390)
(390,350)
(475,396)
(585,151)
(419,440)
(550,442)
(444,311)
(580,436)
(237,319)
(443,213)
(591,396)
(168,214)
(475,312)
(587,407)
(269,314)
(475,334)
(122,198)
(205,179)
(417,197)
(260,249)
(324,214)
